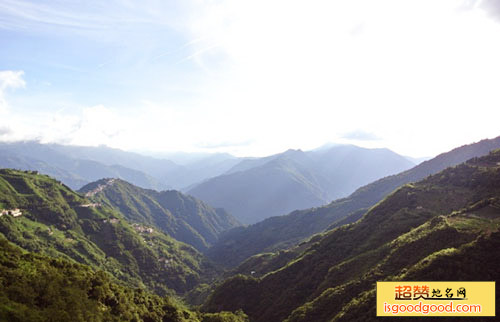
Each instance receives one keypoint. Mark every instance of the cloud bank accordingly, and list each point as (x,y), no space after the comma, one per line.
(421,75)
(9,79)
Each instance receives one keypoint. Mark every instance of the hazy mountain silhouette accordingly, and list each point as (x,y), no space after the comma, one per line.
(63,163)
(284,231)
(79,165)
(259,188)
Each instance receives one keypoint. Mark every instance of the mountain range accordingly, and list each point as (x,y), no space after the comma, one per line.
(256,189)
(251,189)
(117,251)
(72,168)
(444,227)
(77,166)
(282,232)
(181,216)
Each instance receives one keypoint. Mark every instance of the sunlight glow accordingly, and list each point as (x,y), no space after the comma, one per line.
(420,76)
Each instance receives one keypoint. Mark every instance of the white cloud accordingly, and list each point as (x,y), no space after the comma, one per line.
(12,79)
(91,126)
(9,79)
(283,74)
(4,130)
(423,74)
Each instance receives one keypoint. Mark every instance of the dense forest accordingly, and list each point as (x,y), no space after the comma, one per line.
(108,254)
(452,216)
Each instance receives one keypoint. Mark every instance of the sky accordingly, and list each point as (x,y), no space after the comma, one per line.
(250,78)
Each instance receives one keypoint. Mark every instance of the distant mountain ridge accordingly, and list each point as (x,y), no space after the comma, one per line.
(65,164)
(79,165)
(258,188)
(284,231)
(444,227)
(183,217)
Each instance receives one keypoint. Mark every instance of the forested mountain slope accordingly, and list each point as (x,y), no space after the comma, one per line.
(35,287)
(447,216)
(284,231)
(58,222)
(183,217)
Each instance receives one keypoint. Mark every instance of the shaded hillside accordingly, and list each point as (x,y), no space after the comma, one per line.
(445,216)
(474,261)
(183,217)
(58,222)
(345,168)
(34,287)
(259,188)
(274,188)
(70,168)
(282,232)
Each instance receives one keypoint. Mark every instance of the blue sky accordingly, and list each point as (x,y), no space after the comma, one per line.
(249,77)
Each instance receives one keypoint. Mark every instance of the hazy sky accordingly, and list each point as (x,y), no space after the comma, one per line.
(250,77)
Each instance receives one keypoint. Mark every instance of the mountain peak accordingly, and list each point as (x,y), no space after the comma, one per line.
(183,217)
(293,151)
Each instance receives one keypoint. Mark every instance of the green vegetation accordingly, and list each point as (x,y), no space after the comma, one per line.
(282,232)
(38,288)
(447,216)
(56,223)
(183,217)
(474,261)
(91,264)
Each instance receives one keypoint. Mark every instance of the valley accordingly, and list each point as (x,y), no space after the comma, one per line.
(172,245)
(249,161)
